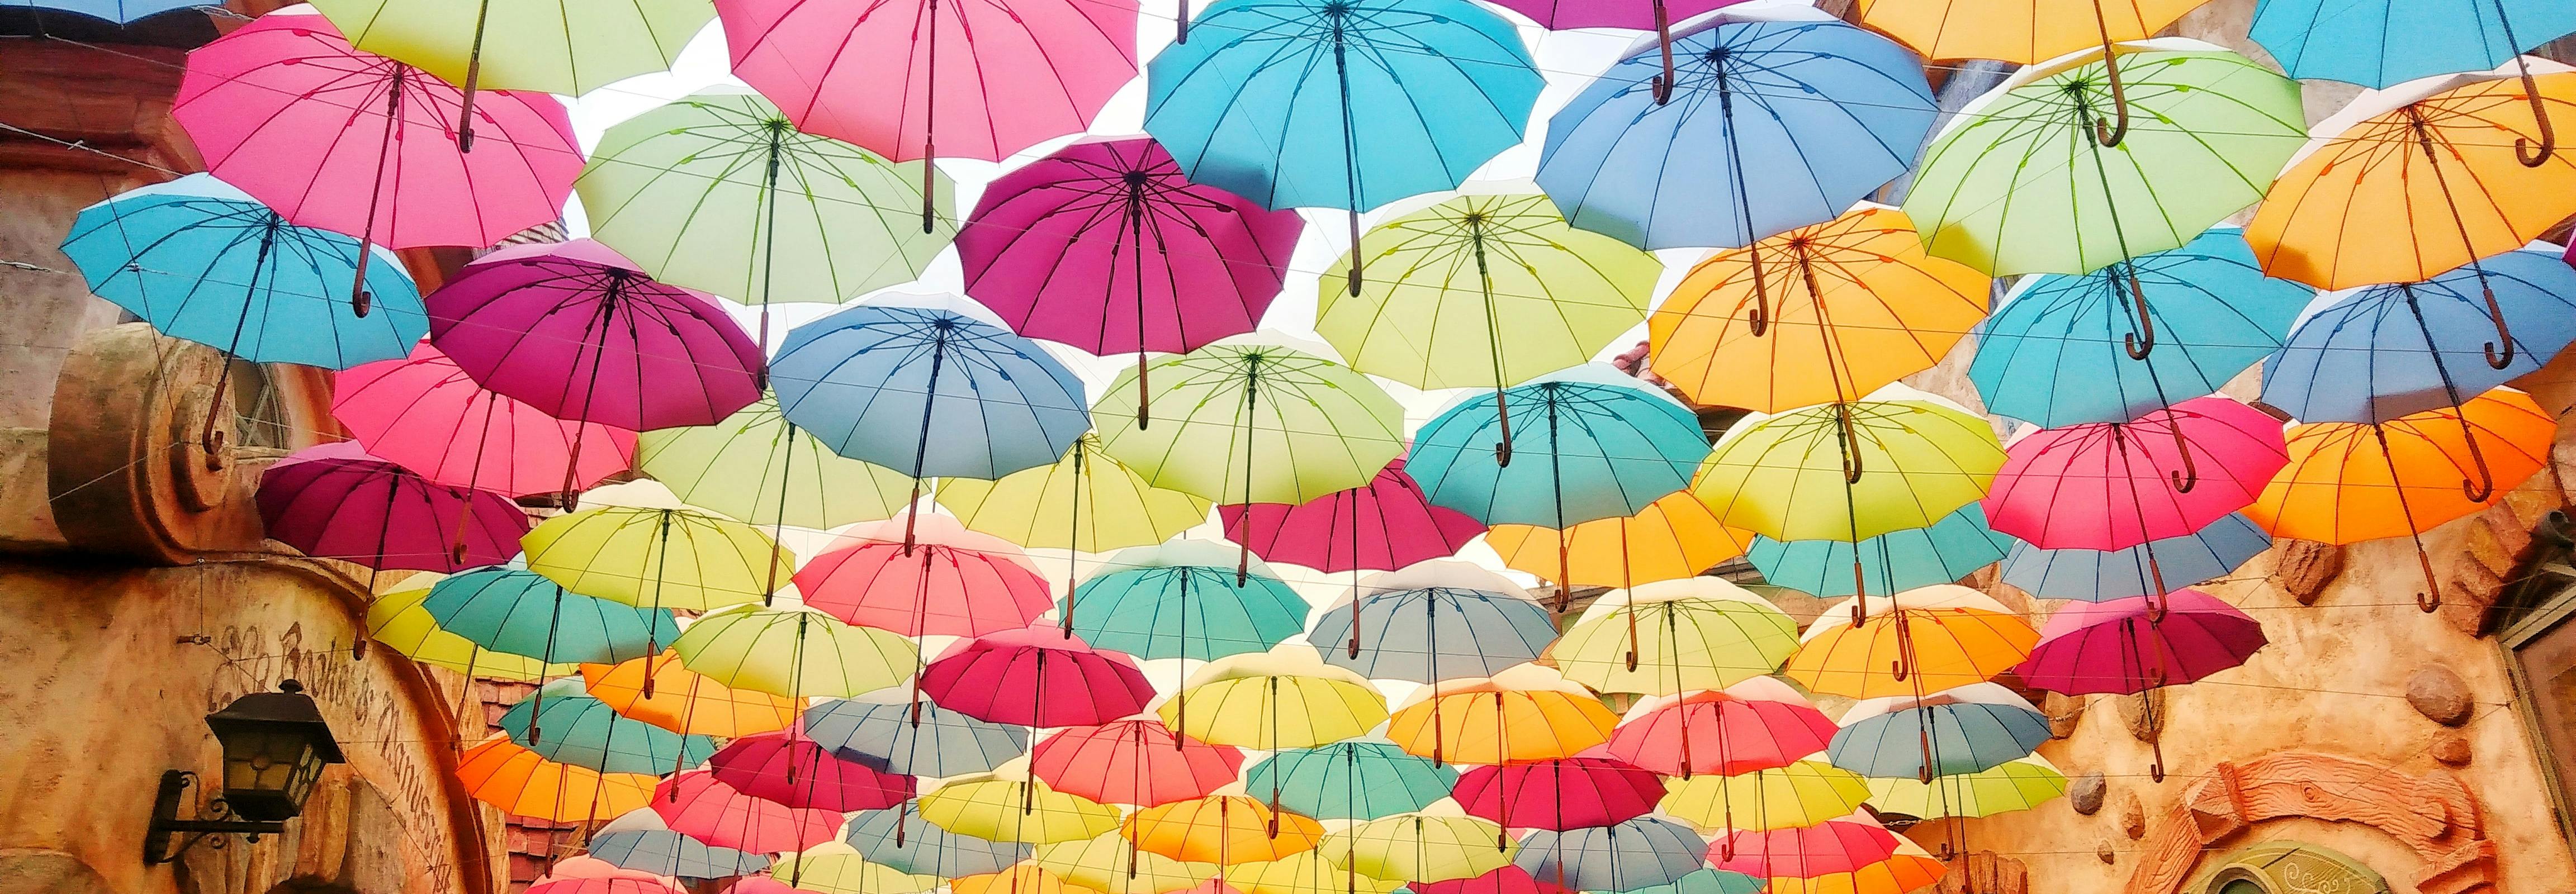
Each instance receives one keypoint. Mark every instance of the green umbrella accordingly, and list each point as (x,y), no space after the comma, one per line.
(564,724)
(742,467)
(2018,785)
(522,44)
(795,652)
(719,192)
(1359,779)
(1087,501)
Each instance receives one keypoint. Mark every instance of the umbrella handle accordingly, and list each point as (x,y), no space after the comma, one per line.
(2504,334)
(2523,151)
(2431,599)
(2188,476)
(1181,34)
(473,76)
(1759,321)
(1663,84)
(2484,486)
(1896,668)
(2143,341)
(1852,465)
(2110,137)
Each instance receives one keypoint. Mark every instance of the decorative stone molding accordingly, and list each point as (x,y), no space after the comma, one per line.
(1984,872)
(2305,567)
(2433,814)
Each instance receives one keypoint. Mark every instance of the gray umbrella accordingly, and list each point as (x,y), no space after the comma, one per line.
(1435,621)
(1640,853)
(664,852)
(882,729)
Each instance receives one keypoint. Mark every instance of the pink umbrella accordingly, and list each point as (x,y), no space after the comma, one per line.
(2128,646)
(794,771)
(335,501)
(1015,72)
(354,142)
(949,582)
(577,330)
(1831,847)
(1722,733)
(1511,879)
(1639,15)
(2112,486)
(1036,676)
(591,875)
(1139,762)
(1386,525)
(699,805)
(425,414)
(1060,247)
(1590,789)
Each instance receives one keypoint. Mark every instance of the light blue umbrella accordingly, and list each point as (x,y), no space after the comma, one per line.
(664,852)
(2379,352)
(562,723)
(1771,125)
(1358,779)
(898,838)
(878,728)
(1707,881)
(1646,852)
(1346,104)
(1185,599)
(2097,576)
(2059,351)
(1434,621)
(2376,43)
(1588,444)
(203,261)
(1964,730)
(122,12)
(521,612)
(1952,548)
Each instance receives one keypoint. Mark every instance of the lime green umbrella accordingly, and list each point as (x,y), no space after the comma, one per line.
(1484,290)
(758,467)
(795,652)
(1087,502)
(720,192)
(2018,785)
(1801,794)
(658,557)
(835,867)
(569,47)
(2020,181)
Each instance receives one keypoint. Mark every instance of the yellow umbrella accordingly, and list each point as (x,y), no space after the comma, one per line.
(1673,636)
(1801,794)
(1922,640)
(1525,713)
(398,621)
(1420,847)
(1110,862)
(685,701)
(837,868)
(2017,785)
(505,775)
(1839,309)
(1027,811)
(1221,829)
(1086,502)
(1284,698)
(658,557)
(756,467)
(1305,872)
(1675,537)
(1020,878)
(795,652)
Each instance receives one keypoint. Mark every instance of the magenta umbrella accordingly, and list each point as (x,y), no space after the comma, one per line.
(1637,15)
(1386,525)
(1107,247)
(1568,793)
(1013,73)
(423,413)
(2119,647)
(787,768)
(357,143)
(577,330)
(1036,676)
(2112,486)
(335,501)
(701,806)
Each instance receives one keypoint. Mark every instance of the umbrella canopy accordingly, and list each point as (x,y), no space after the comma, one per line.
(795,652)
(1849,471)
(1807,858)
(1419,847)
(756,466)
(1307,872)
(1925,640)
(1592,444)
(697,804)
(799,772)
(870,382)
(900,839)
(525,46)
(1284,698)
(1708,881)
(1560,794)
(1139,762)
(663,558)
(1527,713)
(1674,537)
(2058,350)
(397,620)
(577,331)
(1861,304)
(1265,424)
(1755,726)
(1110,862)
(1801,794)
(1507,880)
(1384,525)
(1673,636)
(121,12)
(720,192)
(562,723)
(1964,730)
(2097,575)
(1359,779)
(523,613)
(201,260)
(2379,352)
(1024,878)
(335,501)
(1633,15)
(1951,549)
(1086,502)
(1018,810)
(1861,107)
(1220,829)
(1005,678)
(2015,785)
(925,576)
(664,852)
(1393,629)
(424,413)
(913,735)
(1645,852)
(683,700)
(2125,646)
(836,868)
(2136,481)
(2380,44)
(1180,600)
(510,777)
(1951,29)
(2221,125)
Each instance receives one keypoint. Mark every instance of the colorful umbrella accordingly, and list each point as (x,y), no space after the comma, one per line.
(1707,881)
(1284,698)
(674,558)
(901,840)
(2348,482)
(1850,471)
(253,100)
(120,12)
(757,467)
(1641,853)
(1925,640)
(1856,107)
(1086,502)
(1381,526)
(666,693)
(1419,847)
(522,613)
(532,46)
(397,620)
(1178,600)
(1220,829)
(1673,537)
(562,723)
(509,777)
(1361,779)
(1801,794)
(1846,856)
(1024,878)
(1306,872)
(699,805)
(2125,646)
(2381,44)
(1607,446)
(1004,678)
(1110,862)
(1674,636)
(1561,793)
(1951,549)
(2058,350)
(836,868)
(1139,762)
(425,414)
(720,192)
(1017,810)
(796,771)
(1393,629)
(913,735)
(664,852)
(1507,880)
(795,652)
(1962,730)
(925,576)
(2138,480)
(2096,575)
(2379,352)
(1526,713)
(1634,15)
(1863,306)
(335,501)
(2015,785)
(1757,725)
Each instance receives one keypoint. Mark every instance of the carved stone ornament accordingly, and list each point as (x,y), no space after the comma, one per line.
(2440,695)
(2433,814)
(2085,793)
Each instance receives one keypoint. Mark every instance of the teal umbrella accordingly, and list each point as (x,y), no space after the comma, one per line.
(1184,599)
(562,723)
(1952,548)
(1361,779)
(521,612)
(1706,881)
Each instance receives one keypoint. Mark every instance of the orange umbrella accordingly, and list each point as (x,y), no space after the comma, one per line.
(1675,537)
(676,698)
(1525,713)
(1818,314)
(1020,878)
(2351,481)
(1922,640)
(2026,33)
(1221,829)
(499,772)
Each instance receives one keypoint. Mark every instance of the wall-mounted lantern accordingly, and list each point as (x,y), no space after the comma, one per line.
(275,746)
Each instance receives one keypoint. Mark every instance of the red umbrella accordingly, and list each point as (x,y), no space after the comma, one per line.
(1827,848)
(337,502)
(1511,879)
(944,581)
(798,772)
(699,805)
(425,414)
(1384,525)
(1139,762)
(1725,733)
(1585,790)
(1036,676)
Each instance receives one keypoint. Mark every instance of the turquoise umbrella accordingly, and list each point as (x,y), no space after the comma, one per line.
(1706,881)
(1184,599)
(1359,779)
(898,838)
(2377,43)
(1952,548)
(522,612)
(562,723)
(1592,444)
